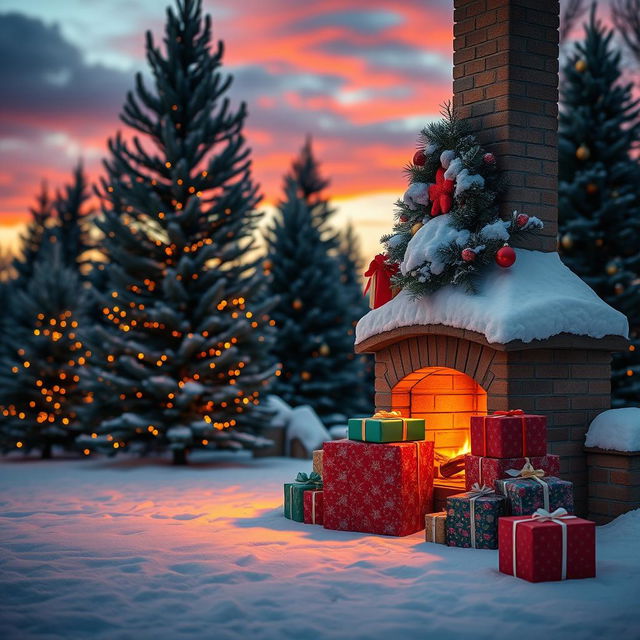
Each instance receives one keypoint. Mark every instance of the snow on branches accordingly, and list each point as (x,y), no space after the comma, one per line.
(447,225)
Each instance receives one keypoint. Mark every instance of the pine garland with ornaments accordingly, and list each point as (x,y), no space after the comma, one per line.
(447,226)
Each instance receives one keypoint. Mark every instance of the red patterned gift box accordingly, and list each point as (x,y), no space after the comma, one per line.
(313,507)
(509,434)
(377,488)
(488,470)
(545,547)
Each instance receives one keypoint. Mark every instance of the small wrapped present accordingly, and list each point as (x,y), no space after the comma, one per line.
(294,494)
(375,488)
(313,506)
(472,518)
(317,461)
(435,527)
(380,272)
(508,434)
(547,546)
(487,470)
(528,489)
(386,426)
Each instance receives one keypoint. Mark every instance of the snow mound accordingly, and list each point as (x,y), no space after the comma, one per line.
(537,298)
(305,426)
(616,429)
(281,411)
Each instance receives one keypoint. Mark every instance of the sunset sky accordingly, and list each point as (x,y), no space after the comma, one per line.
(361,76)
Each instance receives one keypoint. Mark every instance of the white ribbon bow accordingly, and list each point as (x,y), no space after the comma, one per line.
(543,515)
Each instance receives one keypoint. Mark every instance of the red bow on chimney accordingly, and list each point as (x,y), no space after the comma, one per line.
(441,194)
(379,284)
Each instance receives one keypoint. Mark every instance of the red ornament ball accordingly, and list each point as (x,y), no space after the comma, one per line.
(505,256)
(404,218)
(489,158)
(419,158)
(468,255)
(522,219)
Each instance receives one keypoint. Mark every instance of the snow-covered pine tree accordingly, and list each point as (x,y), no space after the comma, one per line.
(315,341)
(351,267)
(599,201)
(42,357)
(186,351)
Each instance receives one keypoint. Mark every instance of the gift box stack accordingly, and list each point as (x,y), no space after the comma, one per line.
(377,480)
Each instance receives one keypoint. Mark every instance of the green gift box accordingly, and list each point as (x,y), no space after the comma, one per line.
(386,429)
(294,494)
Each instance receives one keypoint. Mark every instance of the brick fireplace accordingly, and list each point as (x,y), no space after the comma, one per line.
(506,85)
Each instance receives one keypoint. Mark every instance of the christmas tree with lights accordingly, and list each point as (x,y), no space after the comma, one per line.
(42,357)
(314,315)
(599,201)
(184,352)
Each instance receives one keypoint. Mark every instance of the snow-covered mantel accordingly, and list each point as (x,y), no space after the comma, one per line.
(535,299)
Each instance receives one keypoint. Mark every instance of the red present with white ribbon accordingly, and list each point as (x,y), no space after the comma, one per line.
(509,434)
(313,506)
(547,546)
(378,286)
(487,470)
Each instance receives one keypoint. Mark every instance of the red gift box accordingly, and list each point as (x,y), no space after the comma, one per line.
(313,506)
(541,548)
(488,470)
(377,488)
(509,434)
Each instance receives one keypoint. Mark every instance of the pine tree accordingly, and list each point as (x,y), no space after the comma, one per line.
(72,216)
(37,233)
(42,357)
(351,267)
(599,201)
(185,352)
(315,341)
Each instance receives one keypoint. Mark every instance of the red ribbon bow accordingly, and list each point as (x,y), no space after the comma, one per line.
(381,271)
(441,194)
(511,412)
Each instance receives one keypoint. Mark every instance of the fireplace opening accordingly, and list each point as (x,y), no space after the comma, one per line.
(446,399)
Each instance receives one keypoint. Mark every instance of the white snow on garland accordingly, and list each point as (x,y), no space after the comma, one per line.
(429,240)
(616,429)
(538,297)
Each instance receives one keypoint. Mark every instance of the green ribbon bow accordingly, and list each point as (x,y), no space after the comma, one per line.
(312,478)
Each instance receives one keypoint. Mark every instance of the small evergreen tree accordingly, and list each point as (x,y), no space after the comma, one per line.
(185,352)
(36,234)
(42,357)
(72,215)
(351,267)
(599,200)
(315,331)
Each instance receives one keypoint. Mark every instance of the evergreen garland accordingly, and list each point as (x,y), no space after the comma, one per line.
(472,224)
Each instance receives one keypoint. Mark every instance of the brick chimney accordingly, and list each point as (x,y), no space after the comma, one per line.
(505,82)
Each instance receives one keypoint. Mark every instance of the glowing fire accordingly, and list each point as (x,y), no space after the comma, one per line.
(454,453)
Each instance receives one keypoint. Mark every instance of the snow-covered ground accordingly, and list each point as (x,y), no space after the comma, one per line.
(124,548)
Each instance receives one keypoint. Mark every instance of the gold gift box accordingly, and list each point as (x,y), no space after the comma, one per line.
(317,461)
(435,527)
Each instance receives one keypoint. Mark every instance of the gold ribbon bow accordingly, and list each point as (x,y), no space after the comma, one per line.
(527,471)
(386,414)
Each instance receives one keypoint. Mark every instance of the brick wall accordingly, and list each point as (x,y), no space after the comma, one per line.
(506,83)
(570,386)
(614,484)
